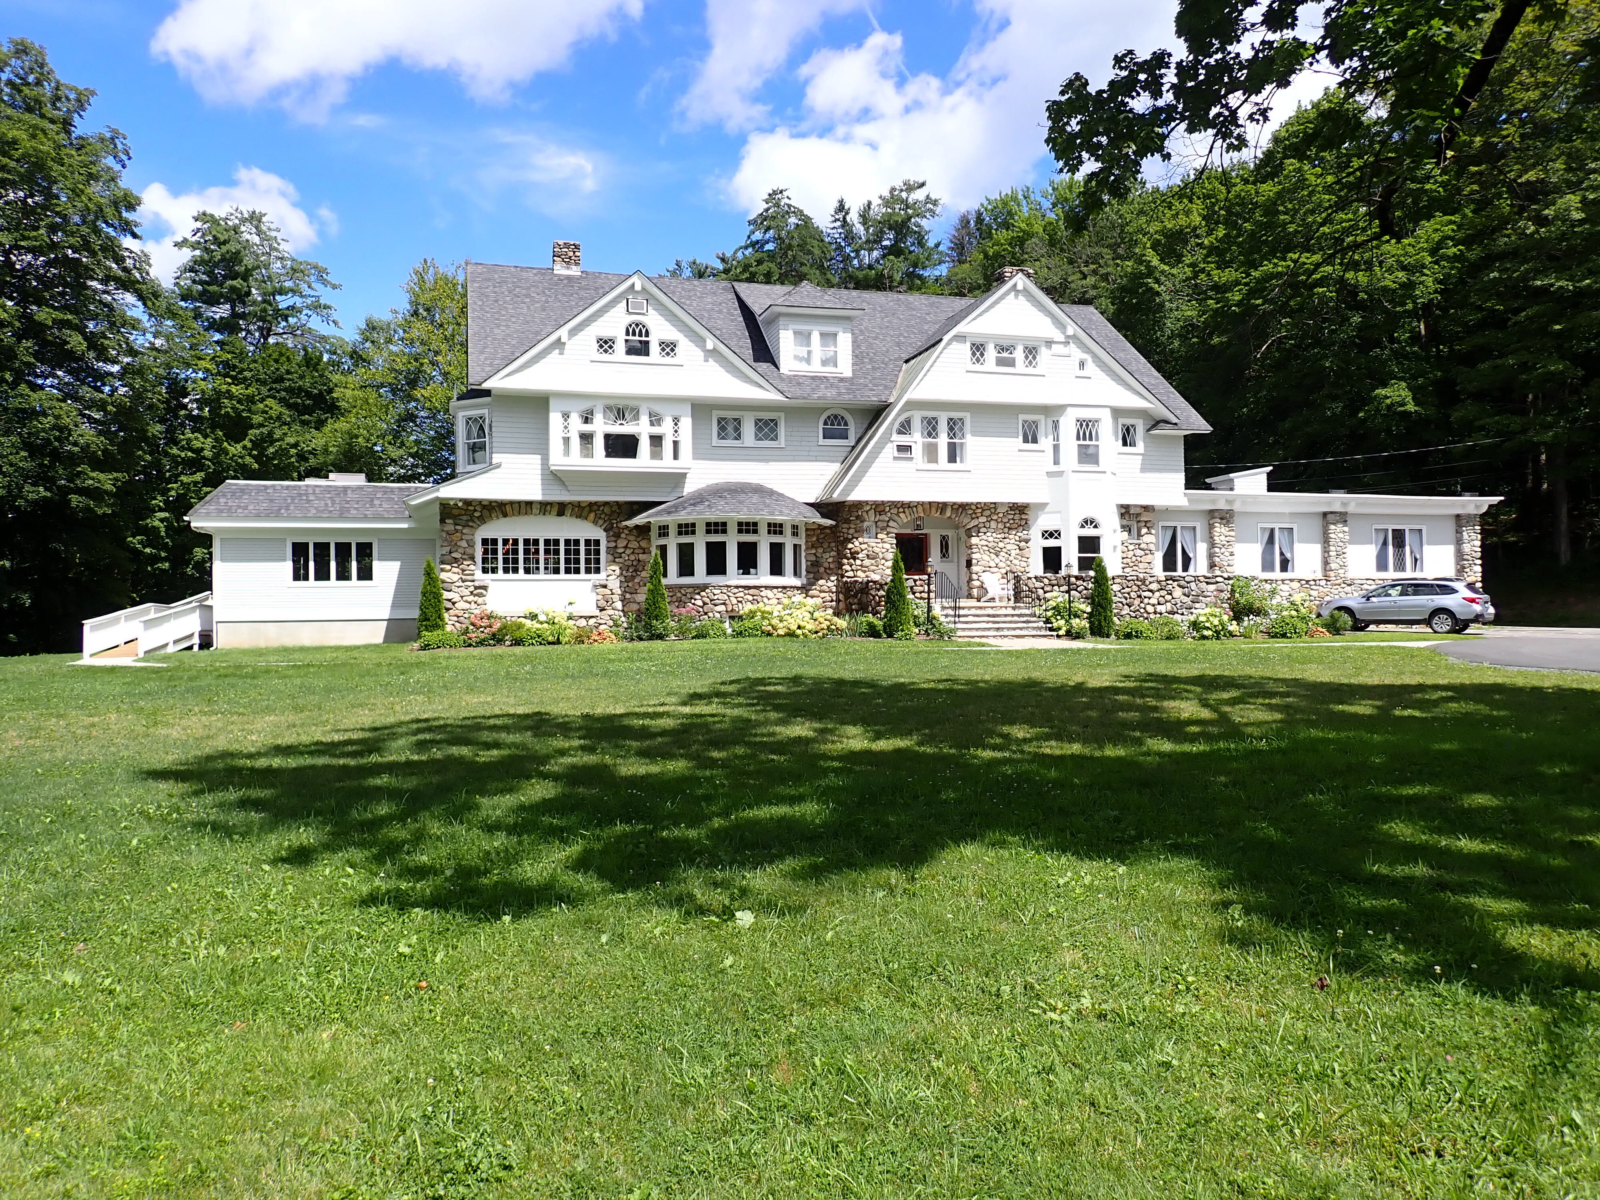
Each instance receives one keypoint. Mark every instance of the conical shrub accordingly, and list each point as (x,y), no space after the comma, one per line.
(1102,607)
(430,608)
(899,618)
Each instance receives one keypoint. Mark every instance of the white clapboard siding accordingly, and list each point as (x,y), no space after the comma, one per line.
(1153,474)
(250,580)
(997,468)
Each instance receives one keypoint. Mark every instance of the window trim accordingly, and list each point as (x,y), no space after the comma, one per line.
(814,350)
(987,360)
(1177,527)
(917,441)
(849,424)
(1422,547)
(482,576)
(1040,429)
(1294,553)
(462,417)
(748,428)
(567,430)
(1079,426)
(331,581)
(1123,425)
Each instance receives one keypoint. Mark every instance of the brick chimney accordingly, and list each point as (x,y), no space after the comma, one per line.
(1006,273)
(566,258)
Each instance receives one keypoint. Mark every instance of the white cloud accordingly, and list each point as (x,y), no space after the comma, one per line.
(550,175)
(304,54)
(252,188)
(866,124)
(750,41)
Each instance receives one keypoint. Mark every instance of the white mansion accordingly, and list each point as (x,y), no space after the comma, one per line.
(769,441)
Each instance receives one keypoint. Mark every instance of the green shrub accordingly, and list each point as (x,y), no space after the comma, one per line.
(1337,622)
(430,608)
(707,627)
(550,627)
(931,625)
(1134,630)
(751,622)
(483,629)
(1213,625)
(653,622)
(1292,618)
(866,625)
(440,639)
(1249,599)
(1167,629)
(517,632)
(1064,614)
(800,617)
(1102,606)
(899,619)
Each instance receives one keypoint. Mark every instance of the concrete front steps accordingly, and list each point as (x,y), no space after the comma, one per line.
(988,622)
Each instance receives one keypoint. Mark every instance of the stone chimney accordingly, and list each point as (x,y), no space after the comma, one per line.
(566,258)
(1004,274)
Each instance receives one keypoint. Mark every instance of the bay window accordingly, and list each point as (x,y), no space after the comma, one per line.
(766,551)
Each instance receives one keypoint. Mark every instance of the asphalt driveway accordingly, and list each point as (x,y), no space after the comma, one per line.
(1550,649)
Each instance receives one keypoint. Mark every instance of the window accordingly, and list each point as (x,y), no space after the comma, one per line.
(677,437)
(1179,549)
(1055,442)
(573,557)
(828,351)
(955,444)
(1088,543)
(802,347)
(685,529)
(1005,355)
(835,427)
(904,450)
(945,547)
(747,527)
(685,557)
(747,429)
(775,529)
(1277,549)
(1088,433)
(1129,435)
(639,305)
(814,349)
(798,555)
(663,532)
(330,562)
(636,340)
(762,548)
(1050,550)
(1030,427)
(586,433)
(749,557)
(605,345)
(1399,550)
(1030,357)
(719,528)
(474,451)
(978,353)
(667,348)
(717,553)
(777,558)
(1083,366)
(621,438)
(942,438)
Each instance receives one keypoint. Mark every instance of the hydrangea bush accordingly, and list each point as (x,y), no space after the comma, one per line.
(800,617)
(1213,625)
(1069,617)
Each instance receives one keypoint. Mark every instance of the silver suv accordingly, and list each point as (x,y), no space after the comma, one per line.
(1443,605)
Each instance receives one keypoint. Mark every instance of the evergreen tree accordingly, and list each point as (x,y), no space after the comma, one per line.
(886,245)
(242,281)
(899,616)
(430,607)
(783,245)
(656,618)
(1102,607)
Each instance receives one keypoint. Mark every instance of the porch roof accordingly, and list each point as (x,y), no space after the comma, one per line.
(733,500)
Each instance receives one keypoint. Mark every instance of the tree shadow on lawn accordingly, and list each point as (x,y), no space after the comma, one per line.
(1466,815)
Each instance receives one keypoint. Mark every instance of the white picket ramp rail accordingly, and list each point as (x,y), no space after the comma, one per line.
(150,628)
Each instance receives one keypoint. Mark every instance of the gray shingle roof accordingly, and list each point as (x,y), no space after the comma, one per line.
(732,500)
(266,500)
(1088,319)
(511,309)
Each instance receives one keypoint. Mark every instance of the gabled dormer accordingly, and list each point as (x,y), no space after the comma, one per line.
(810,333)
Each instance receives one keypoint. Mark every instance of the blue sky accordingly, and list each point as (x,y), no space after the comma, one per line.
(379,132)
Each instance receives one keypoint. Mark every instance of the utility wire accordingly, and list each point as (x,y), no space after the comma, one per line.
(1291,462)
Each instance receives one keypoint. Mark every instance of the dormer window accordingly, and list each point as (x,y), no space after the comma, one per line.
(636,340)
(814,349)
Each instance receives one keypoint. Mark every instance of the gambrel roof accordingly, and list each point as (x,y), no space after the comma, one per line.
(512,309)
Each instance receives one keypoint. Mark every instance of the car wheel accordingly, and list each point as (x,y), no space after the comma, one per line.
(1442,620)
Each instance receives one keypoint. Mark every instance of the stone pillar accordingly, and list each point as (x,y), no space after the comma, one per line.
(1335,544)
(1469,548)
(1219,532)
(1138,555)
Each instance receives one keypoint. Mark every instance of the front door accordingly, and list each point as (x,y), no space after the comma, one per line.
(913,549)
(945,547)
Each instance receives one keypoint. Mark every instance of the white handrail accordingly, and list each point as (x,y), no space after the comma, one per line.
(151,627)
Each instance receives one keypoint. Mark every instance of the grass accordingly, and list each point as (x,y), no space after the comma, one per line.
(726,919)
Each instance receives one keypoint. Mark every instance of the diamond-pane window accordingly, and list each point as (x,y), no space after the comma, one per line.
(605,345)
(730,429)
(978,352)
(766,429)
(1030,357)
(667,348)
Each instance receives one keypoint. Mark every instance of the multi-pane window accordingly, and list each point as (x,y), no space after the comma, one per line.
(627,432)
(835,427)
(815,349)
(573,557)
(1005,354)
(330,562)
(667,348)
(1180,549)
(621,437)
(1129,435)
(747,429)
(695,551)
(474,439)
(747,527)
(978,353)
(904,430)
(1088,543)
(605,345)
(1399,551)
(1055,441)
(1030,357)
(1050,549)
(1029,429)
(1088,436)
(1277,549)
(942,439)
(636,340)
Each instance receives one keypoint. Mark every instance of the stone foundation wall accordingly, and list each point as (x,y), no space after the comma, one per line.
(1335,544)
(1179,596)
(1138,555)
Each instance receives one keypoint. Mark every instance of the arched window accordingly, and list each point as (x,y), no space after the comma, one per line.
(835,427)
(636,339)
(1088,523)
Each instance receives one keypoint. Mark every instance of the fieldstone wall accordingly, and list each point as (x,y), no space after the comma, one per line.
(1139,555)
(1220,536)
(1179,596)
(996,538)
(1469,548)
(1335,544)
(627,552)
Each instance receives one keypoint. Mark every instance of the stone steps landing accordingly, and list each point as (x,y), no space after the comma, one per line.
(986,621)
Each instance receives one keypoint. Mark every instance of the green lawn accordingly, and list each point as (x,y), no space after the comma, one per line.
(849,919)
